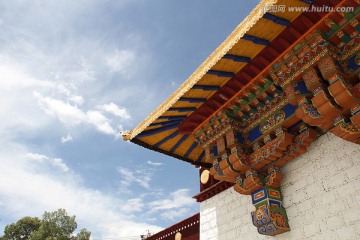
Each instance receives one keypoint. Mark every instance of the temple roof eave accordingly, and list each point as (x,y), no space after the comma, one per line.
(194,78)
(148,146)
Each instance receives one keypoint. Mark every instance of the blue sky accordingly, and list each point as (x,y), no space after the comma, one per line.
(74,74)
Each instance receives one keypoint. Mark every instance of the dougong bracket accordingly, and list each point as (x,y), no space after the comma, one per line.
(270,217)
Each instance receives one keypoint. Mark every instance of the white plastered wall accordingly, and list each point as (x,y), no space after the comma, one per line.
(321,192)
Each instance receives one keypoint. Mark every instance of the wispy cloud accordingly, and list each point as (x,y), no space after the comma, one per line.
(71,114)
(37,157)
(64,111)
(101,122)
(140,177)
(18,79)
(133,205)
(154,163)
(55,162)
(177,205)
(18,110)
(178,199)
(76,99)
(115,110)
(120,61)
(68,138)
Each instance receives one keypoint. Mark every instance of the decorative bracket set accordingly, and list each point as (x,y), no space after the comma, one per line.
(269,217)
(312,89)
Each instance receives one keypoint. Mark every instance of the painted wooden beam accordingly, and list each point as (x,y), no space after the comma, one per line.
(165,123)
(306,21)
(273,51)
(284,42)
(192,100)
(157,130)
(201,156)
(173,117)
(174,134)
(256,40)
(245,76)
(218,102)
(206,87)
(191,148)
(294,32)
(263,60)
(220,73)
(182,139)
(237,58)
(276,19)
(182,109)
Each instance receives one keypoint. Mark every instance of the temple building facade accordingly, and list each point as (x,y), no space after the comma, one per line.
(272,118)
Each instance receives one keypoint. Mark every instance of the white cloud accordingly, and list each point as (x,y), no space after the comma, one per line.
(101,123)
(72,115)
(79,100)
(178,205)
(121,61)
(68,138)
(133,205)
(116,110)
(17,79)
(140,177)
(154,163)
(36,157)
(178,199)
(62,89)
(65,112)
(57,163)
(19,112)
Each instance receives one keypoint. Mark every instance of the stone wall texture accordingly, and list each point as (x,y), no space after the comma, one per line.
(321,192)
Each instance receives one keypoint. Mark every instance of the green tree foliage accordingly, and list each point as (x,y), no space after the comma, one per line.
(84,234)
(55,225)
(22,229)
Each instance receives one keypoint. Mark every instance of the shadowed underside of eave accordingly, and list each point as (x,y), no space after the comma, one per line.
(182,158)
